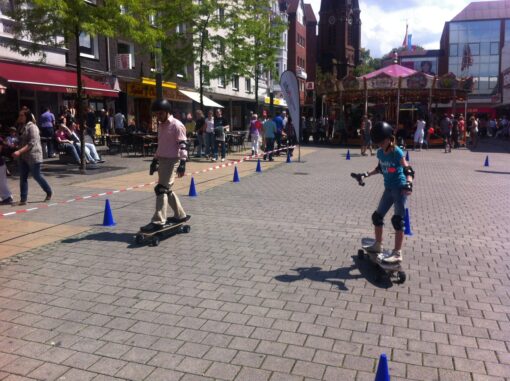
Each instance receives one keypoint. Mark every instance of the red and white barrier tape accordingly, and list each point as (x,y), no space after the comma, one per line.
(96,195)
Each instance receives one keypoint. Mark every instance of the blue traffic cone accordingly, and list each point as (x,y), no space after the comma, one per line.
(236,175)
(108,216)
(383,373)
(486,164)
(348,156)
(407,224)
(288,157)
(192,190)
(259,168)
(407,156)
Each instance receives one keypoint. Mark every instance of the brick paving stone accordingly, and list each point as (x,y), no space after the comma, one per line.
(250,288)
(222,371)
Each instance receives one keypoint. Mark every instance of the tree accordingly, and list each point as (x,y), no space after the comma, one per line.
(55,23)
(262,32)
(368,64)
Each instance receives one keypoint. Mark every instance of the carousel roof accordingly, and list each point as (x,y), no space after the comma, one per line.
(394,71)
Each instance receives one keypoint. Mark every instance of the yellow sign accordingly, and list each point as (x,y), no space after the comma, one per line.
(147,90)
(276,101)
(152,82)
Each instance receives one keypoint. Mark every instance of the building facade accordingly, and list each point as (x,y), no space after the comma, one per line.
(475,44)
(339,36)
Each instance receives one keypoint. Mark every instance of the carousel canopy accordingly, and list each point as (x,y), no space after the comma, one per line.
(394,71)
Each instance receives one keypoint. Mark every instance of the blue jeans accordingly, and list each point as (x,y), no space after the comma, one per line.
(35,169)
(210,140)
(72,150)
(223,149)
(200,150)
(392,197)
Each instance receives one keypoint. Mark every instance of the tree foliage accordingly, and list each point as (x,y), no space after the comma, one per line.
(368,63)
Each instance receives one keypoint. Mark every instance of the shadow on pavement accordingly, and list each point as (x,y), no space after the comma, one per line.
(371,272)
(105,237)
(335,277)
(493,172)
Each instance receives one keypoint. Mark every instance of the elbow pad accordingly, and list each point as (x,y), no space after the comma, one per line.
(409,171)
(183,150)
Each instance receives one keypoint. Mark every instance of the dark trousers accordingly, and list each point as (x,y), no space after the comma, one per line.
(35,169)
(278,138)
(269,148)
(48,132)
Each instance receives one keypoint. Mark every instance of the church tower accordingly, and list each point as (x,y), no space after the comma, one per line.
(339,36)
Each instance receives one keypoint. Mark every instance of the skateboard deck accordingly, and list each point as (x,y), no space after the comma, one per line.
(389,270)
(155,236)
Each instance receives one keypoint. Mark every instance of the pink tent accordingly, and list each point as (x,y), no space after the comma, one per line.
(394,71)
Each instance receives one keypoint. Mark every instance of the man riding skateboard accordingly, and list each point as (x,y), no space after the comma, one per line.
(171,154)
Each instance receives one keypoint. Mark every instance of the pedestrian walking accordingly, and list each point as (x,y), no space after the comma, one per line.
(119,121)
(255,129)
(47,124)
(366,127)
(398,185)
(210,139)
(170,158)
(462,131)
(473,131)
(445,125)
(200,132)
(30,156)
(269,128)
(220,126)
(455,132)
(419,134)
(5,192)
(279,132)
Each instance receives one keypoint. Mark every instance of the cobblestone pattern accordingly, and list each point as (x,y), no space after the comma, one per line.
(266,286)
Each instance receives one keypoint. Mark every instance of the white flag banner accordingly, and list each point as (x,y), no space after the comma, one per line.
(290,90)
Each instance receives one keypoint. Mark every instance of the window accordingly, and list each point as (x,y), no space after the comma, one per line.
(88,46)
(221,14)
(277,69)
(205,74)
(454,50)
(475,49)
(222,81)
(247,85)
(181,28)
(6,6)
(123,9)
(235,82)
(494,48)
(124,48)
(152,19)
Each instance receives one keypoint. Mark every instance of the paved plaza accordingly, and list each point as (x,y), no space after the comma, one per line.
(267,285)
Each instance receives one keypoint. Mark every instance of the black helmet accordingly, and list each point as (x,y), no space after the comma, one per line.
(381,131)
(161,105)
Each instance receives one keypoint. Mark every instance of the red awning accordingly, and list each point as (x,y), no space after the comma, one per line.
(52,80)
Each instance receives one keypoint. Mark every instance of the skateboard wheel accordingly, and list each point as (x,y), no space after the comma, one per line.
(139,239)
(186,229)
(155,241)
(361,254)
(401,277)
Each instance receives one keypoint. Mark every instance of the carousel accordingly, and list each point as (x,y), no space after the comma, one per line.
(393,86)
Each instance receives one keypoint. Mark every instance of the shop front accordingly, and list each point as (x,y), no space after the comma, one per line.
(141,94)
(38,87)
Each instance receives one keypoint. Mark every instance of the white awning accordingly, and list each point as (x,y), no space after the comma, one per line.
(194,96)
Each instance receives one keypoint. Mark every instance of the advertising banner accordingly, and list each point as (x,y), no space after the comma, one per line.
(290,91)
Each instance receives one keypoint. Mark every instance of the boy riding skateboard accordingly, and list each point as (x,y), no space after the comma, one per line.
(398,184)
(170,155)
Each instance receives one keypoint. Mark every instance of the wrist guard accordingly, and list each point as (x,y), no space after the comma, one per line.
(409,171)
(408,186)
(359,177)
(181,169)
(154,166)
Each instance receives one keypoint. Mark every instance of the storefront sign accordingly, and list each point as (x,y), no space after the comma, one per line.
(382,82)
(138,90)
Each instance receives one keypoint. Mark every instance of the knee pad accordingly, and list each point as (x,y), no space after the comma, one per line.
(377,219)
(160,189)
(397,222)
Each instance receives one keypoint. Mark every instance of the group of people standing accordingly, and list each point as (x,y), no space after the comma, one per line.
(211,134)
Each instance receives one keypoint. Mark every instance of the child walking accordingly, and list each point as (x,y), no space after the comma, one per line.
(398,184)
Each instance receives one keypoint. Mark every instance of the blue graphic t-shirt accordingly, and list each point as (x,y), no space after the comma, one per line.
(392,170)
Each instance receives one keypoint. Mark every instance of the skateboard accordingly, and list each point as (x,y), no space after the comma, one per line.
(167,229)
(388,270)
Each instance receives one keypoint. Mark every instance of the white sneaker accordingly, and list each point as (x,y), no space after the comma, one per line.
(394,258)
(223,159)
(213,159)
(376,247)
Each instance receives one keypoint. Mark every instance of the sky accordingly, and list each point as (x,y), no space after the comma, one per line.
(384,22)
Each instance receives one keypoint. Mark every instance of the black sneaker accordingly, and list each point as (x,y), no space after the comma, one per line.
(7,201)
(151,227)
(176,220)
